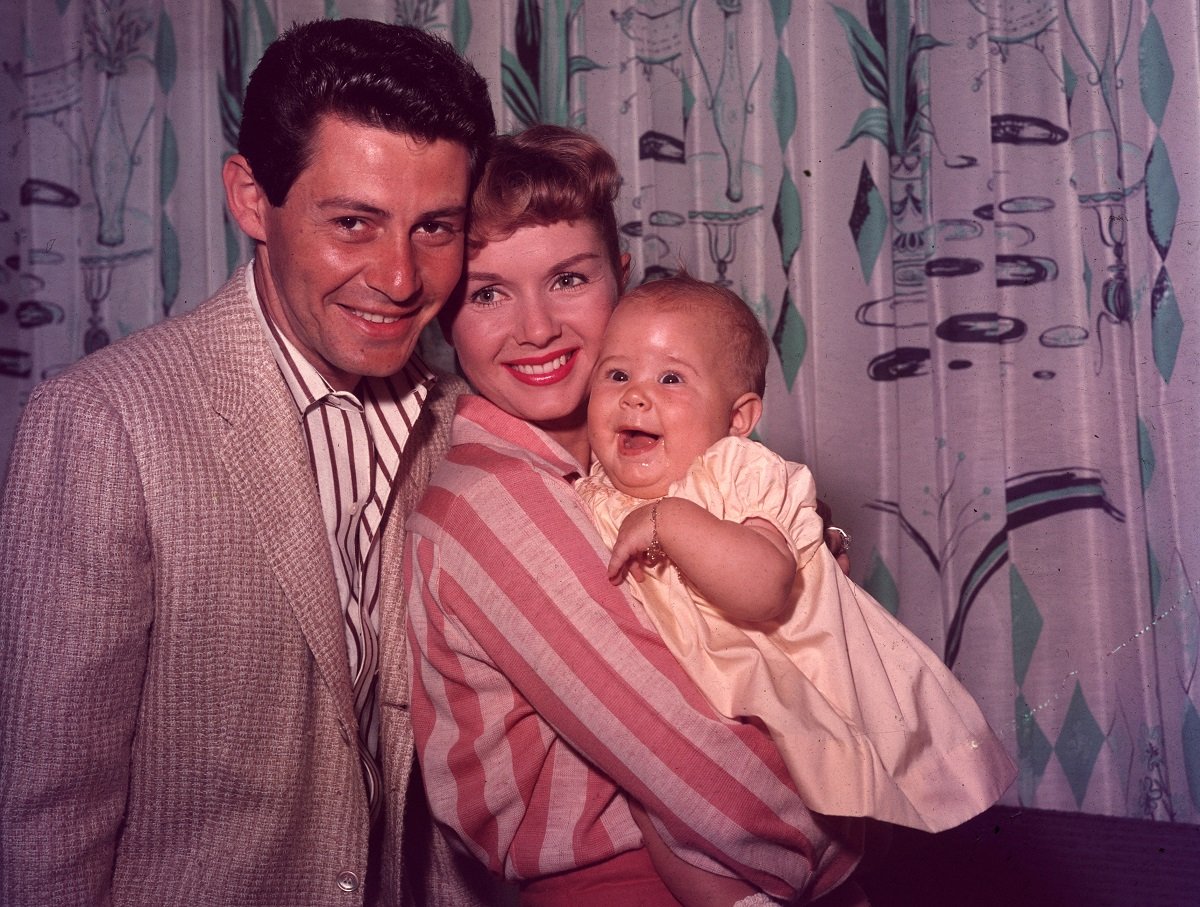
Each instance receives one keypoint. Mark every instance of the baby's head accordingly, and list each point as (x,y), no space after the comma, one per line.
(683,365)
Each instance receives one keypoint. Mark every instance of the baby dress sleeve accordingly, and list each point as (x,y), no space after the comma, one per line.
(737,479)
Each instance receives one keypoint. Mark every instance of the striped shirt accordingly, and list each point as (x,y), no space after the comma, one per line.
(541,694)
(355,440)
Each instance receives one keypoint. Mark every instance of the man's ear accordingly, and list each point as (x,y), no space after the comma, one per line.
(247,201)
(747,410)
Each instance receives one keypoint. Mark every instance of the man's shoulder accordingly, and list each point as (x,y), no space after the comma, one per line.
(443,396)
(152,356)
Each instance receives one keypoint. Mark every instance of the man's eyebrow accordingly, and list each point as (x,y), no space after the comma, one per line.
(350,203)
(448,211)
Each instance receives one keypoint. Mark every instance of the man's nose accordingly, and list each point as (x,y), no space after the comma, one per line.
(394,271)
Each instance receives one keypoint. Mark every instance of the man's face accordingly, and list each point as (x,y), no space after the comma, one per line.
(365,249)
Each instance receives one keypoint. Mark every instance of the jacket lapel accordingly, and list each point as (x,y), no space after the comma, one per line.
(266,456)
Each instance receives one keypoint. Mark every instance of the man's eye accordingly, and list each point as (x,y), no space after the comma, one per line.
(349,223)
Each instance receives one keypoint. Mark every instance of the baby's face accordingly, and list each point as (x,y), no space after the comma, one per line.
(662,394)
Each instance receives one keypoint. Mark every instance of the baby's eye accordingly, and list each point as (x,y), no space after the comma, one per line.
(618,376)
(670,378)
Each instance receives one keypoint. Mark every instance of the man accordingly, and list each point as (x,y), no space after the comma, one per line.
(202,525)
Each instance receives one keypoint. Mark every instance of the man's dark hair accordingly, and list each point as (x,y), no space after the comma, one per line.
(391,76)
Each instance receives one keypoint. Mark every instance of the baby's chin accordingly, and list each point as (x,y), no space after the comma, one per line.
(646,492)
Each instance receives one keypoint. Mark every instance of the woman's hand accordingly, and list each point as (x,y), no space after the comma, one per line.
(836,539)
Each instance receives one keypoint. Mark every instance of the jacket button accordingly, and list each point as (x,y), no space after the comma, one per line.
(347,881)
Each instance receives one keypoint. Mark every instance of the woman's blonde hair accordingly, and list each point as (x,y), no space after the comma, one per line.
(544,175)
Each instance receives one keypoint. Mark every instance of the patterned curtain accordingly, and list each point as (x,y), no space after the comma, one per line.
(967,225)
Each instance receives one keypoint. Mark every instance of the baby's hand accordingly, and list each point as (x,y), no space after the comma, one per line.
(632,548)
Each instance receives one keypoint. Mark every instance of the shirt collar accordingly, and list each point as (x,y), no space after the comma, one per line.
(308,386)
(481,421)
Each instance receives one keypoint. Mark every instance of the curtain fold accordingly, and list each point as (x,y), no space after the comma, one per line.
(969,227)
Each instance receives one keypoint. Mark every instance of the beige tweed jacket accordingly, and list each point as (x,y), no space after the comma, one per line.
(176,721)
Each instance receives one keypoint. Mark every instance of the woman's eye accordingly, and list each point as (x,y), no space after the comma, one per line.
(484,296)
(569,280)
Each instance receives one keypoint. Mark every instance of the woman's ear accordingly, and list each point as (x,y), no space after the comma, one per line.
(623,277)
(747,410)
(245,197)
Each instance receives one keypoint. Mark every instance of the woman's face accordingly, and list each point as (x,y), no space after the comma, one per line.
(529,330)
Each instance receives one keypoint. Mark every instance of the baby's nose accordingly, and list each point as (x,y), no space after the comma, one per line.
(633,397)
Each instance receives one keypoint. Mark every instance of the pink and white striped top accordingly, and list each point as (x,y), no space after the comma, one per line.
(541,696)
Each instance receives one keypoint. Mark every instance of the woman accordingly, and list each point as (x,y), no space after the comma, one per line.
(547,712)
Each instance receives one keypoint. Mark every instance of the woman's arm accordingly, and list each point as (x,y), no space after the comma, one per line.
(691,886)
(745,570)
(508,584)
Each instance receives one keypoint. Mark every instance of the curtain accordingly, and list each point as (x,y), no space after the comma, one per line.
(969,227)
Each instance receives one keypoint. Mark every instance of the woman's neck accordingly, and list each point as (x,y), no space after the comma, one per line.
(573,438)
(571,432)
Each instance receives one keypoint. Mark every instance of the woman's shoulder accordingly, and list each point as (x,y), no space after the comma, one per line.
(489,478)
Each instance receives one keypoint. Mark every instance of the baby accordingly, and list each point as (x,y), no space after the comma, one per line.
(720,540)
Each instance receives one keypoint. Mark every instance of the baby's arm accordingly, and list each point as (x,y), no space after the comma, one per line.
(745,570)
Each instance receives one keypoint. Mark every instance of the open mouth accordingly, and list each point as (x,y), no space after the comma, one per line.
(633,441)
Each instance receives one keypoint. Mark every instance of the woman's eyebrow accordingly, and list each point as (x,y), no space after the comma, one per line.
(571,261)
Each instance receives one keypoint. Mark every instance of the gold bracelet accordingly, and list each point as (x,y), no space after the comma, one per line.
(654,553)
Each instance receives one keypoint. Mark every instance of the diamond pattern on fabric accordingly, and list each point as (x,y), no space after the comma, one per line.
(1033,751)
(790,339)
(1156,75)
(1167,323)
(1162,197)
(868,221)
(1026,624)
(788,219)
(1079,744)
(882,585)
